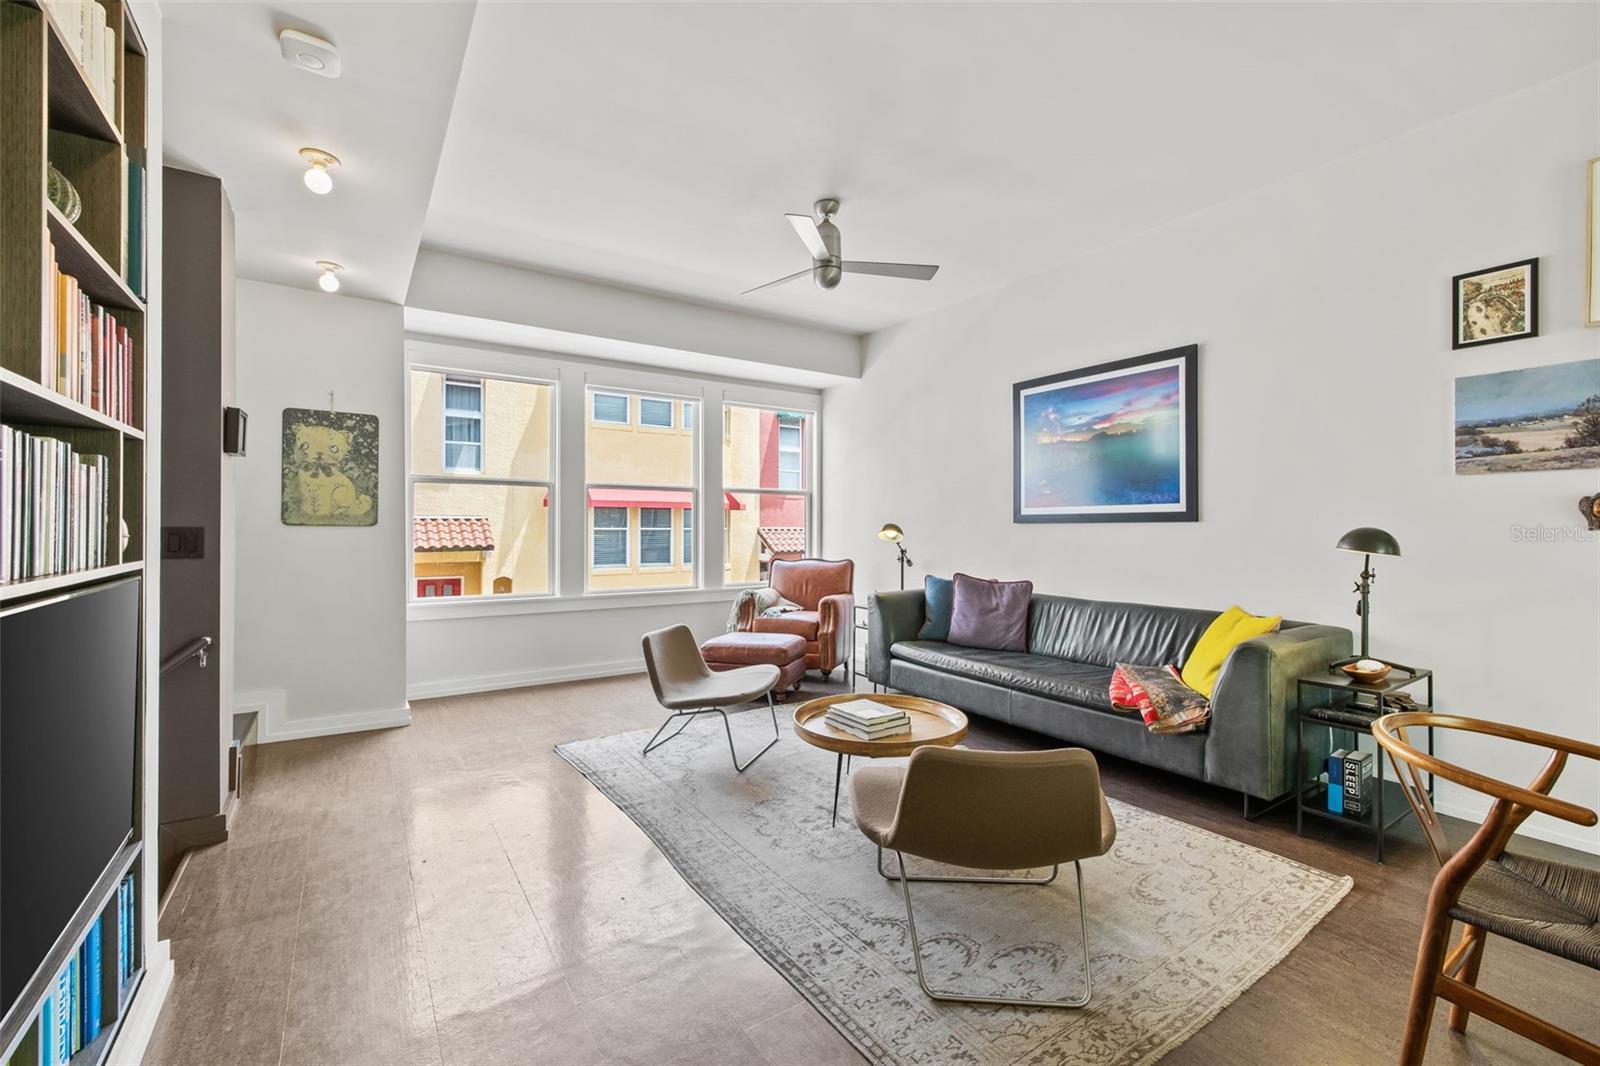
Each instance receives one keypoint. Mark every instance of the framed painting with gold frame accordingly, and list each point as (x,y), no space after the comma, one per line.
(1592,300)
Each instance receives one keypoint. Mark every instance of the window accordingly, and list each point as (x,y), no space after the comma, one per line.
(637,484)
(655,536)
(610,536)
(766,464)
(789,451)
(480,505)
(611,408)
(656,413)
(463,425)
(688,415)
(688,536)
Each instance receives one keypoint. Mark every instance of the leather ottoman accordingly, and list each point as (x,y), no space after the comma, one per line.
(784,650)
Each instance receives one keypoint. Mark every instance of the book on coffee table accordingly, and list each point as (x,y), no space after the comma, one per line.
(888,729)
(867,713)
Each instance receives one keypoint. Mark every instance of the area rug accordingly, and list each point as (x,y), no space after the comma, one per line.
(1181,920)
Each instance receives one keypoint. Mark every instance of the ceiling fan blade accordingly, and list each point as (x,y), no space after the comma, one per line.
(805,227)
(780,281)
(914,271)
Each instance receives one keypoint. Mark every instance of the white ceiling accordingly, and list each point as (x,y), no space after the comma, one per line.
(235,109)
(658,145)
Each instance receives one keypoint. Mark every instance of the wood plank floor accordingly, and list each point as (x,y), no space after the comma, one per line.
(453,892)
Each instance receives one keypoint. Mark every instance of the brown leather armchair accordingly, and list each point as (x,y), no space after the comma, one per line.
(826,620)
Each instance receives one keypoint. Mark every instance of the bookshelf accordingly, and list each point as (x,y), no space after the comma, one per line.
(80,108)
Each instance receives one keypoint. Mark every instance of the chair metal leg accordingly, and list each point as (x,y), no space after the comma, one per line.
(689,716)
(960,997)
(887,876)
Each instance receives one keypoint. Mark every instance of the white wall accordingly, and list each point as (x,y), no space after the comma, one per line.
(321,612)
(1321,307)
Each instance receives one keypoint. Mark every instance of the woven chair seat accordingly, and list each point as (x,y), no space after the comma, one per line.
(1546,905)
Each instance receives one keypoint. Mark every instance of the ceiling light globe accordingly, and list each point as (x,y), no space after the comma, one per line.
(329,282)
(319,181)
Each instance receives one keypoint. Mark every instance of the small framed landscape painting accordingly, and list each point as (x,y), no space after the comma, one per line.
(1117,442)
(1498,304)
(330,468)
(1541,418)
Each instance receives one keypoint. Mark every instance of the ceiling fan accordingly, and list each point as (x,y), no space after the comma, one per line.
(822,241)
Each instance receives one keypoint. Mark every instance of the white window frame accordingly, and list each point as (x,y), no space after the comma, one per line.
(574,377)
(468,363)
(594,415)
(672,412)
(685,537)
(627,537)
(446,412)
(808,465)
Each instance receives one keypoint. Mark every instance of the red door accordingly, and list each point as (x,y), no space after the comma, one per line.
(438,586)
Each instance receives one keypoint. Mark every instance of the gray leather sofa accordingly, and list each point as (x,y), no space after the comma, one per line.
(1060,685)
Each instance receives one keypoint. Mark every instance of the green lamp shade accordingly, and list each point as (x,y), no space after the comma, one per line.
(891,532)
(1369,541)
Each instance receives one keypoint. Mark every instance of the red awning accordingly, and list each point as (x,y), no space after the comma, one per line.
(673,498)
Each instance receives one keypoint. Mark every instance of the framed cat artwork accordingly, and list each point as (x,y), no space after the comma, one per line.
(330,468)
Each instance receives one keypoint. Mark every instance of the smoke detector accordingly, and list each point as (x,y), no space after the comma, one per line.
(310,53)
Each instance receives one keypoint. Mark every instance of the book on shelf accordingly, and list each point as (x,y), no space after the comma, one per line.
(1356,782)
(136,224)
(86,27)
(1335,777)
(58,504)
(87,353)
(90,965)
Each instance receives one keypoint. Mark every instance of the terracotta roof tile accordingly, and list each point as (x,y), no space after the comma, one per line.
(451,534)
(784,538)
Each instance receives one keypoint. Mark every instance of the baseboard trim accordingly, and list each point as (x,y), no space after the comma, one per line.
(139,1024)
(1550,835)
(273,731)
(462,686)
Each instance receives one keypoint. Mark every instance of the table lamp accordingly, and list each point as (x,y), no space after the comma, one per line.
(896,536)
(1369,542)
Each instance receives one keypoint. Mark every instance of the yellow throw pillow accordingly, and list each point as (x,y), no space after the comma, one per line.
(1230,629)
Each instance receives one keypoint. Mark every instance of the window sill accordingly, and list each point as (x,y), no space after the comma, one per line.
(490,606)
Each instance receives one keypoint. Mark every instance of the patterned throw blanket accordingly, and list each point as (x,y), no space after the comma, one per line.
(1158,693)
(767,604)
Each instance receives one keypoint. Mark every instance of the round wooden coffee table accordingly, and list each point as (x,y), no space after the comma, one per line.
(931,723)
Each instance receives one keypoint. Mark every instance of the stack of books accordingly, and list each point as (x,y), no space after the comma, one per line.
(1350,782)
(869,720)
(86,27)
(88,354)
(57,504)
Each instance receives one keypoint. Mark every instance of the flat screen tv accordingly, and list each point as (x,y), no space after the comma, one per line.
(69,710)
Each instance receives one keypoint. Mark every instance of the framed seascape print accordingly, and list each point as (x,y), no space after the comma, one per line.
(1498,304)
(1117,442)
(1592,317)
(1540,418)
(330,468)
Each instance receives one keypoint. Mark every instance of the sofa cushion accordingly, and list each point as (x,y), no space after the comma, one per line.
(938,599)
(1105,633)
(1085,684)
(990,614)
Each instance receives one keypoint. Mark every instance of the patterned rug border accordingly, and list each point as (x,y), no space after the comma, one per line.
(824,1002)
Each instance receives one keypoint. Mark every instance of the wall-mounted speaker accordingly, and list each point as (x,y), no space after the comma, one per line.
(234,423)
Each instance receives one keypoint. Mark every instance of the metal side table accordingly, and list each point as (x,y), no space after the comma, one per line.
(1342,705)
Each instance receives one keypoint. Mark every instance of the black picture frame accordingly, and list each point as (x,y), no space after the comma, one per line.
(1532,266)
(1187,358)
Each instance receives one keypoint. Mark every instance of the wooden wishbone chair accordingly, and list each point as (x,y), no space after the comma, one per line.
(1551,906)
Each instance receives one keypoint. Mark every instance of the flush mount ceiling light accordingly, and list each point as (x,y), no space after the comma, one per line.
(318,180)
(329,281)
(310,53)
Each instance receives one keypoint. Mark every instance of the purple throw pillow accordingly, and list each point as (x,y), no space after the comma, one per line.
(990,614)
